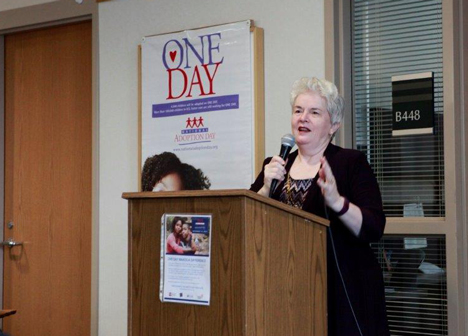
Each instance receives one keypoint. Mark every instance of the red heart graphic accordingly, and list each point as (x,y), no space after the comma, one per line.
(173,55)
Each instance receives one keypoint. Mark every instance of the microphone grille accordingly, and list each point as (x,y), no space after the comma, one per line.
(288,140)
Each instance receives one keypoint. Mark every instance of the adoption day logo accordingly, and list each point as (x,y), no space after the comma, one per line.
(194,132)
(192,67)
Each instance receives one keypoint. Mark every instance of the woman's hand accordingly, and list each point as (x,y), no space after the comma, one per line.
(274,170)
(352,218)
(327,183)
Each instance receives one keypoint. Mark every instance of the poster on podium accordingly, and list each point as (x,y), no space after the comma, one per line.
(185,259)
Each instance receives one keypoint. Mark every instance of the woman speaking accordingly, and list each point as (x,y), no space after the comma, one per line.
(337,184)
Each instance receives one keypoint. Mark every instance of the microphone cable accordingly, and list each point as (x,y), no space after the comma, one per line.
(339,270)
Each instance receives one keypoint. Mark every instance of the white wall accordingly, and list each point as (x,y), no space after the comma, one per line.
(294,47)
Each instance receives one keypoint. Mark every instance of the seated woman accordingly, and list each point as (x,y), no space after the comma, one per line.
(173,240)
(338,184)
(165,172)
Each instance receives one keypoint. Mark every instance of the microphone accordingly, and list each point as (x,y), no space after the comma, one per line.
(287,143)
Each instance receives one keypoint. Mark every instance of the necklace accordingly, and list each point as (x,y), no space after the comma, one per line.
(288,190)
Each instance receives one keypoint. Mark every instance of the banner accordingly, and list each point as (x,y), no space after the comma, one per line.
(197,109)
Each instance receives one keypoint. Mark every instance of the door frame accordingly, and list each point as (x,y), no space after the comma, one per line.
(51,14)
(2,154)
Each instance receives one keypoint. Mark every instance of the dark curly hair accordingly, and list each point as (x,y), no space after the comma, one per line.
(193,178)
(160,165)
(174,222)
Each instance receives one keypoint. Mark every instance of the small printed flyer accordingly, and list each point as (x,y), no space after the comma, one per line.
(185,259)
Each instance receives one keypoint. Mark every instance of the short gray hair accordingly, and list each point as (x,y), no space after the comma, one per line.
(326,89)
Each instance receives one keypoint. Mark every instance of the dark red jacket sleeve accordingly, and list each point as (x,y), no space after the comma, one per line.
(258,183)
(365,193)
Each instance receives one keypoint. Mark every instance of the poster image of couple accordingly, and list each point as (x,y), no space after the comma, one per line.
(187,235)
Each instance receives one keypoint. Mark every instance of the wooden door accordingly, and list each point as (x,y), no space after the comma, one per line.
(48,181)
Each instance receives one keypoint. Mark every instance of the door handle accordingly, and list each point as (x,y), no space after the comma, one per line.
(10,243)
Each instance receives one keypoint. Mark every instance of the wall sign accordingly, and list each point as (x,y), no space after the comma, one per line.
(197,109)
(413,104)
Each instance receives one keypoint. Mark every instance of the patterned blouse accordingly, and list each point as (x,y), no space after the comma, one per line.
(295,191)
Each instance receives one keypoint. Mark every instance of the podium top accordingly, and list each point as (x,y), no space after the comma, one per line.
(226,193)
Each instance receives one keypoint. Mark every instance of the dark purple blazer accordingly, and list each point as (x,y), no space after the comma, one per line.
(361,271)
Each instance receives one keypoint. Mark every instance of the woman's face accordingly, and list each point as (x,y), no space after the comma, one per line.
(170,182)
(310,121)
(178,227)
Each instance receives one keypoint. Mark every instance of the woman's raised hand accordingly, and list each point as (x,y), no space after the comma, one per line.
(327,183)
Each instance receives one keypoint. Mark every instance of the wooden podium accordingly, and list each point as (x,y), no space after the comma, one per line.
(268,267)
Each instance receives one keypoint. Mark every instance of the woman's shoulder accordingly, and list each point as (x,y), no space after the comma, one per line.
(339,153)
